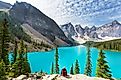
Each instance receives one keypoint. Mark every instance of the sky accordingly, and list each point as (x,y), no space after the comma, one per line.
(40,4)
(84,12)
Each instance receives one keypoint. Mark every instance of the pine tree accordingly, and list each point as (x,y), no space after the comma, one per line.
(52,69)
(41,71)
(4,41)
(21,66)
(2,71)
(21,51)
(71,70)
(102,67)
(26,64)
(26,51)
(16,68)
(88,68)
(56,62)
(14,55)
(76,69)
(21,56)
(26,68)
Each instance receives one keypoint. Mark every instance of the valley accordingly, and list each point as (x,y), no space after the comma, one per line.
(61,40)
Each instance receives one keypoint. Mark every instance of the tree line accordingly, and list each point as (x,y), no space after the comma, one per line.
(114,45)
(41,45)
(102,69)
(19,62)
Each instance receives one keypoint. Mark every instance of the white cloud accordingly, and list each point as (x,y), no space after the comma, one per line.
(90,13)
(9,1)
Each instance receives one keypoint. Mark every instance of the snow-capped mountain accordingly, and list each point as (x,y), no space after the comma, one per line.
(86,12)
(111,30)
(106,32)
(68,29)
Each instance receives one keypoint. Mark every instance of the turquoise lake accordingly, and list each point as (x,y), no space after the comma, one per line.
(67,57)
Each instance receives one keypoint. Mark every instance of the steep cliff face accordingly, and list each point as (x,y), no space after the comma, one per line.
(27,14)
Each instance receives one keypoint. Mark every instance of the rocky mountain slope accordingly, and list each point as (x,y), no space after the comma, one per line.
(71,77)
(112,29)
(29,23)
(25,13)
(106,32)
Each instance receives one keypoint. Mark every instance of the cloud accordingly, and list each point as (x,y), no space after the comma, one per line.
(85,12)
(9,1)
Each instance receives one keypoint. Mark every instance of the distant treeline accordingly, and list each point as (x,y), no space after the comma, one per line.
(114,45)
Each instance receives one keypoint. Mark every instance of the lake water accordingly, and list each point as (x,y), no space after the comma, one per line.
(68,55)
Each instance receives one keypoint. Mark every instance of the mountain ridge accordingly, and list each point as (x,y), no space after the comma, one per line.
(109,30)
(42,30)
(39,21)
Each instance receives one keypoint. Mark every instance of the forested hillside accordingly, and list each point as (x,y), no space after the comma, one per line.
(17,32)
(14,28)
(114,45)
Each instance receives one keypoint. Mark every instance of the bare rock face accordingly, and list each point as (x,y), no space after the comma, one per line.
(69,31)
(79,30)
(27,14)
(112,29)
(71,77)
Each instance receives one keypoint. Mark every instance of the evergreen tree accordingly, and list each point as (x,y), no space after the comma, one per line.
(2,71)
(4,41)
(52,69)
(14,55)
(26,68)
(71,70)
(21,56)
(16,68)
(102,67)
(88,68)
(56,62)
(21,51)
(76,69)
(21,66)
(26,63)
(26,51)
(41,71)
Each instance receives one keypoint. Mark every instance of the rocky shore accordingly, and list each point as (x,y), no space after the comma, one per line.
(58,77)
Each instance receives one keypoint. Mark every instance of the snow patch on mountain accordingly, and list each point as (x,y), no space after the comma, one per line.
(106,32)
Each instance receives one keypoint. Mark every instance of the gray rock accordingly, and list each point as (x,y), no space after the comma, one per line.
(26,13)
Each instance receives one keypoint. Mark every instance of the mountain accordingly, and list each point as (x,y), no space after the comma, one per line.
(4,5)
(33,19)
(80,34)
(69,31)
(102,33)
(15,28)
(79,30)
(112,29)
